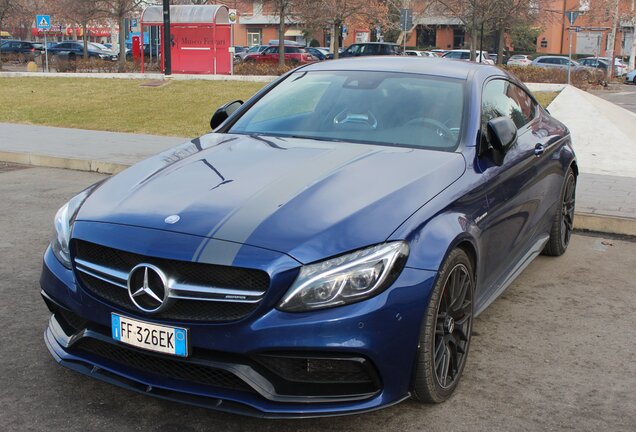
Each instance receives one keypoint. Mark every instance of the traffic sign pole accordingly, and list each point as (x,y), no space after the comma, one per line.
(46,53)
(43,22)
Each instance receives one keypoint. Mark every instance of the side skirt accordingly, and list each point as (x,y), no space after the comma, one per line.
(532,253)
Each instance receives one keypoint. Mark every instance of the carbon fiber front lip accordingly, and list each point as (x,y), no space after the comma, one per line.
(218,404)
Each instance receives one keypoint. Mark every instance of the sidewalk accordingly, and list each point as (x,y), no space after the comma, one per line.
(604,137)
(85,150)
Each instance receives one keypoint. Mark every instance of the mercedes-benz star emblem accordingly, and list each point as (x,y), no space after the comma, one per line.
(148,288)
(172,219)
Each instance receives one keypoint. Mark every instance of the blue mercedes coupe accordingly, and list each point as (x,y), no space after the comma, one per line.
(324,250)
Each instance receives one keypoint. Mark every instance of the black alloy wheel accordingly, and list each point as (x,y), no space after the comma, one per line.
(446,331)
(563,223)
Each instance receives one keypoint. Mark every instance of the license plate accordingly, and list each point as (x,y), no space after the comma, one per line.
(153,337)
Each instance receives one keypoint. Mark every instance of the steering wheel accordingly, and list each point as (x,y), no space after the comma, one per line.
(438,127)
(365,119)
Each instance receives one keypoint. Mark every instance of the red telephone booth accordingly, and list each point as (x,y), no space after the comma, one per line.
(199,37)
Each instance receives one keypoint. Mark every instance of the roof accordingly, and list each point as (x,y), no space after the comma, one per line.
(187,14)
(263,20)
(419,65)
(433,20)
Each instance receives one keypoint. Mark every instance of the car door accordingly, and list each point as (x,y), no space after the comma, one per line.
(270,55)
(514,190)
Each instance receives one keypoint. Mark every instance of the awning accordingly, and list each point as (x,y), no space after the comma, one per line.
(187,14)
(293,33)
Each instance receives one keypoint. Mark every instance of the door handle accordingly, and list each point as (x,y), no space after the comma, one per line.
(539,149)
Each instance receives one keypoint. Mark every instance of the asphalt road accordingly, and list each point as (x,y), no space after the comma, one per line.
(623,95)
(555,352)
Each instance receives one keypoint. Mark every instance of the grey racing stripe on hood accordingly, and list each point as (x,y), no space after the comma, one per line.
(241,223)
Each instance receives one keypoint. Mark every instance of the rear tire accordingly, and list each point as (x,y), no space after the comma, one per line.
(563,222)
(446,330)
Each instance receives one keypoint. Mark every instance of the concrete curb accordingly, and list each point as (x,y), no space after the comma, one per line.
(605,224)
(545,87)
(26,158)
(139,76)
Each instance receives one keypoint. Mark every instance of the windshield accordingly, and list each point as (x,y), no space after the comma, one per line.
(361,106)
(98,46)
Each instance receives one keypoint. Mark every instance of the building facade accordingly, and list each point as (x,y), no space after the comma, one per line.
(589,32)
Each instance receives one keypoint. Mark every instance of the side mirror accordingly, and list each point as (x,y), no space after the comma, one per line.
(502,134)
(222,114)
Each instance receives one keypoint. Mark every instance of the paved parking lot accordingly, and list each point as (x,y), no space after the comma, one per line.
(555,352)
(623,95)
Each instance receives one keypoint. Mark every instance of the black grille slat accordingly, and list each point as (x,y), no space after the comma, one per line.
(168,367)
(184,310)
(317,370)
(183,271)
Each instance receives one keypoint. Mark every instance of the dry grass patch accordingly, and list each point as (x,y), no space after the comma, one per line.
(180,108)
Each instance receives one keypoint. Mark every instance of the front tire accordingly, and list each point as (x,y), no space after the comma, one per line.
(446,331)
(563,223)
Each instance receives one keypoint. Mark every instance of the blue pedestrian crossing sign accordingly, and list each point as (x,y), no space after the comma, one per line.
(43,21)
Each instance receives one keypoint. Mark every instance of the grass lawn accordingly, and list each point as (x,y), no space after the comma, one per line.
(179,108)
(545,98)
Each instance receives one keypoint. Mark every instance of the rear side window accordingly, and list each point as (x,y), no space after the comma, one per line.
(369,49)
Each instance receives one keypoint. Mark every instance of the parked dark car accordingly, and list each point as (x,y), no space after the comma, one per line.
(324,251)
(316,53)
(17,50)
(293,54)
(75,49)
(371,49)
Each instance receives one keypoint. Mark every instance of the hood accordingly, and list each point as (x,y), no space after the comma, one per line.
(308,199)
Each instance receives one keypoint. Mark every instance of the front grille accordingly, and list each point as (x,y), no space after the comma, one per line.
(182,310)
(168,367)
(184,271)
(249,281)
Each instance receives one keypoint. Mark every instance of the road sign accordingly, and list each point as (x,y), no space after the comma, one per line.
(572,15)
(406,19)
(43,22)
(232,16)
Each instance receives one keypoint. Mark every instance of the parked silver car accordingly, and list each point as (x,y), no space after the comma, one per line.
(559,62)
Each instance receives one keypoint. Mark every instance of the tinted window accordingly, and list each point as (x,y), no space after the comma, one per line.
(453,55)
(271,50)
(369,49)
(354,49)
(374,107)
(501,98)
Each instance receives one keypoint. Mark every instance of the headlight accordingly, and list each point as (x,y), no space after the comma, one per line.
(63,222)
(346,279)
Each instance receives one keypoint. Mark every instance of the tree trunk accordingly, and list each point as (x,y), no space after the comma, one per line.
(122,44)
(337,28)
(281,36)
(632,57)
(611,41)
(473,36)
(500,47)
(85,40)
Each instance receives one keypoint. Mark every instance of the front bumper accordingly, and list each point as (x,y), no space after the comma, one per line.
(381,333)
